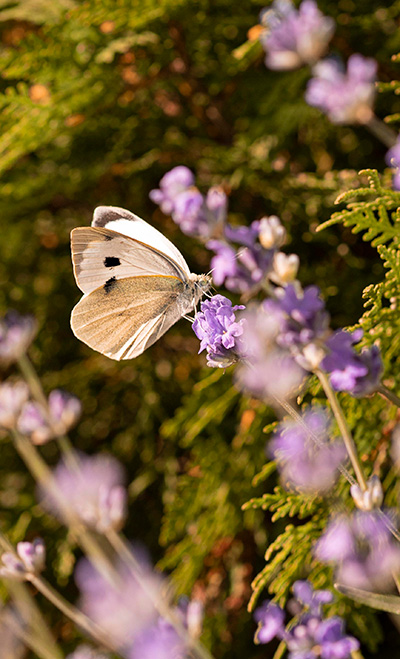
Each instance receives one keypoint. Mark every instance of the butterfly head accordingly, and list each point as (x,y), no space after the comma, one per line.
(202,284)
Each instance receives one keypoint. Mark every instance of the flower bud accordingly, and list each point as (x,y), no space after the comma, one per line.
(285,268)
(371,498)
(16,334)
(13,395)
(271,232)
(30,559)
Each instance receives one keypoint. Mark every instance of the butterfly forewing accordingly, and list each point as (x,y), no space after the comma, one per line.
(128,224)
(123,318)
(100,254)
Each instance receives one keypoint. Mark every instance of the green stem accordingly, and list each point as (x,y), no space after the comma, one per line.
(32,380)
(382,131)
(77,617)
(343,427)
(44,476)
(123,550)
(389,395)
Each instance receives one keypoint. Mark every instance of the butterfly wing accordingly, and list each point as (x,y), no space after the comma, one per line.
(125,222)
(124,317)
(100,254)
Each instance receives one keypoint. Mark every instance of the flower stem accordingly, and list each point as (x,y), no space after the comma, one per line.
(44,476)
(382,131)
(119,544)
(343,427)
(389,395)
(77,617)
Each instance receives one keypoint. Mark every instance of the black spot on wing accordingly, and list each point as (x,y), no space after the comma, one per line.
(108,237)
(111,261)
(110,284)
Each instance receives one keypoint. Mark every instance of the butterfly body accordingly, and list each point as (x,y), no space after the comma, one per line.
(134,290)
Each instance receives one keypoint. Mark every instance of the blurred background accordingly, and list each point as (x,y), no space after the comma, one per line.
(98,99)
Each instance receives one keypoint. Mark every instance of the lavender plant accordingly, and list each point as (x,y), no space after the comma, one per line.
(318,393)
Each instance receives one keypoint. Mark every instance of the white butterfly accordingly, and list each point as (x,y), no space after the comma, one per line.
(136,283)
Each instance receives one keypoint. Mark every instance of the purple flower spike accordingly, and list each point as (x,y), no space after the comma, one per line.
(357,373)
(346,97)
(123,609)
(34,422)
(172,184)
(33,555)
(160,641)
(16,334)
(30,559)
(13,395)
(310,637)
(64,409)
(363,549)
(218,330)
(93,490)
(306,458)
(393,160)
(270,618)
(294,38)
(86,652)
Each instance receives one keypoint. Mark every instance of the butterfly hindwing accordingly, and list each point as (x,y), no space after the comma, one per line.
(100,254)
(124,317)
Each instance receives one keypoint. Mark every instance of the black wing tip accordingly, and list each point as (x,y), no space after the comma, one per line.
(104,214)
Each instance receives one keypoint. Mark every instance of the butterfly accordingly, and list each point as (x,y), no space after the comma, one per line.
(136,283)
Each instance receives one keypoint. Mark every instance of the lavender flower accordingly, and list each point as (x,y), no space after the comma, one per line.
(30,559)
(16,334)
(93,490)
(346,97)
(270,618)
(125,609)
(42,424)
(64,410)
(160,641)
(292,37)
(245,269)
(13,395)
(311,637)
(357,373)
(362,548)
(393,160)
(86,652)
(303,323)
(266,370)
(305,457)
(34,422)
(172,184)
(219,331)
(196,215)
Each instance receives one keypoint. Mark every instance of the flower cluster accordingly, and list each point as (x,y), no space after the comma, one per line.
(312,636)
(346,97)
(41,423)
(92,489)
(16,334)
(393,160)
(293,37)
(126,611)
(196,215)
(357,373)
(363,550)
(306,458)
(219,331)
(29,559)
